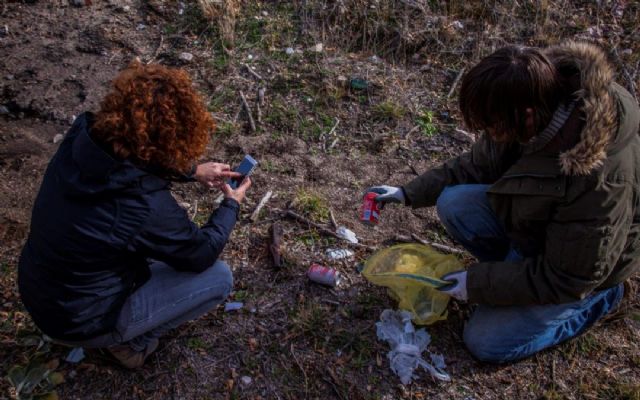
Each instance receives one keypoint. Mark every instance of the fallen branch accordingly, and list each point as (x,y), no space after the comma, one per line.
(455,83)
(326,231)
(195,210)
(463,135)
(275,248)
(155,54)
(252,72)
(246,107)
(334,127)
(259,112)
(416,238)
(331,131)
(333,219)
(256,212)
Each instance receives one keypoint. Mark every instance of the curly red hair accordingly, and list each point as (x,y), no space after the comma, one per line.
(154,118)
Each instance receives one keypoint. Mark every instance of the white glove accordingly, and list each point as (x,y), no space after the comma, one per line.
(388,194)
(458,287)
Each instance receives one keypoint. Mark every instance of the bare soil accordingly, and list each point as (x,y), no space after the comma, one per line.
(318,137)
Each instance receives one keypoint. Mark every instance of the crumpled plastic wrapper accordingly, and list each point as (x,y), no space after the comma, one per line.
(407,345)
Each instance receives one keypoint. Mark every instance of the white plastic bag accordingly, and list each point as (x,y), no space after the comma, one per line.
(407,346)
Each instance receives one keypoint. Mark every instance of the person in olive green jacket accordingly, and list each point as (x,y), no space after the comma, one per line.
(547,199)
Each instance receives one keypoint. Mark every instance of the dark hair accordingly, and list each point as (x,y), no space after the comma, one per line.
(154,118)
(497,91)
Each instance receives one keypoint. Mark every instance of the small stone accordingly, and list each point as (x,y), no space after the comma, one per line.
(289,50)
(317,48)
(246,380)
(4,110)
(233,306)
(265,14)
(186,56)
(58,138)
(126,8)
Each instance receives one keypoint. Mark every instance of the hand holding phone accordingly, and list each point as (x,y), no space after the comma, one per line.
(245,168)
(238,193)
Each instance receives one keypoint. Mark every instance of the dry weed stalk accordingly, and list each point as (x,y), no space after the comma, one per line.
(225,14)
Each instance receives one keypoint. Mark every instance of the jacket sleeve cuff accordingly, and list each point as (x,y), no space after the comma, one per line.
(477,282)
(232,204)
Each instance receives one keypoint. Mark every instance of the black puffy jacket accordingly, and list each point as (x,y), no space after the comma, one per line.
(96,222)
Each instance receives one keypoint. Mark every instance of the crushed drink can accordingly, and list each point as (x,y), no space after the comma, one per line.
(324,275)
(369,212)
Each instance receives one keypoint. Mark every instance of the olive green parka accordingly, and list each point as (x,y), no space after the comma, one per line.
(571,207)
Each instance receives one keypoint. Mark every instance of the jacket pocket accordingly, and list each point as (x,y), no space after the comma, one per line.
(525,198)
(580,250)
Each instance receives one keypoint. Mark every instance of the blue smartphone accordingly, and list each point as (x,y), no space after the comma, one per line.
(246,167)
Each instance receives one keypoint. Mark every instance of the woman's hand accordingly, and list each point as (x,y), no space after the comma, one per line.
(214,174)
(238,193)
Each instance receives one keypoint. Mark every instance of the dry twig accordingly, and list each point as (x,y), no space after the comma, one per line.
(155,54)
(275,248)
(326,231)
(252,72)
(263,201)
(246,107)
(455,82)
(416,238)
(333,219)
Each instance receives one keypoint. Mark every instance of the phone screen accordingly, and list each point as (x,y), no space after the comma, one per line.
(245,168)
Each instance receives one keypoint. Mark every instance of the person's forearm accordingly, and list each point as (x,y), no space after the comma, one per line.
(221,224)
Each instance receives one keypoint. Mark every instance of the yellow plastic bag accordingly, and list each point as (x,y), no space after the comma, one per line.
(412,273)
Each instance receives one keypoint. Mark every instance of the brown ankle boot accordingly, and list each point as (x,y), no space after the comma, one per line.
(128,357)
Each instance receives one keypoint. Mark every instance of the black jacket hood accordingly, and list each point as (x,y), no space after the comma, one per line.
(91,171)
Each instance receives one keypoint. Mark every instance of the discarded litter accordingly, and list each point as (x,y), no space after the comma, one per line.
(412,273)
(289,50)
(75,355)
(347,234)
(233,306)
(359,84)
(246,380)
(339,254)
(186,56)
(407,345)
(324,275)
(317,48)
(369,210)
(58,138)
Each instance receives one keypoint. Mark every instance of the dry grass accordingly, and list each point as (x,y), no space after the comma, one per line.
(224,13)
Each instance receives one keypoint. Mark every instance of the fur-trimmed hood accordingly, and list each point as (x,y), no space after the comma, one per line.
(599,104)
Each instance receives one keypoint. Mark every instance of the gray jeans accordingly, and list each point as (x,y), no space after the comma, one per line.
(169,299)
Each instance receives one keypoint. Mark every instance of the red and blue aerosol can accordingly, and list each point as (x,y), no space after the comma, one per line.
(324,275)
(369,211)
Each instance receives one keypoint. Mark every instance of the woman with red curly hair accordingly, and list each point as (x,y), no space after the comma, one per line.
(112,261)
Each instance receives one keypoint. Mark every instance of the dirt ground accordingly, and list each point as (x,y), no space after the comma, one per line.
(321,139)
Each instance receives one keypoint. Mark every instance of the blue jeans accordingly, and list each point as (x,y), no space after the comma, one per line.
(508,333)
(169,299)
